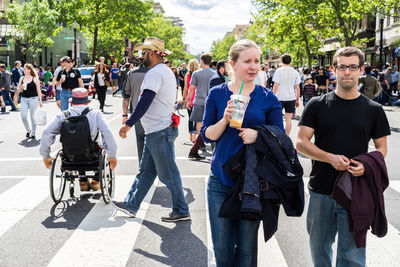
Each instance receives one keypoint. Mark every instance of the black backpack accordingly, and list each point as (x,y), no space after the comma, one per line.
(75,135)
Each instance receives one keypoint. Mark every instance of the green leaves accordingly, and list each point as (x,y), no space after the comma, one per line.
(220,48)
(36,24)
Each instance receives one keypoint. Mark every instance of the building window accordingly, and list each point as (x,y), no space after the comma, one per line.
(387,21)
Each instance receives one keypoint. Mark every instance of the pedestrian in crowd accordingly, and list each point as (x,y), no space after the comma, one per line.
(370,86)
(200,79)
(176,74)
(385,88)
(17,72)
(287,89)
(395,80)
(309,90)
(155,111)
(168,63)
(342,122)
(114,77)
(219,76)
(29,87)
(97,123)
(5,85)
(388,78)
(233,240)
(3,105)
(332,79)
(58,88)
(40,74)
(193,66)
(122,77)
(101,77)
(271,74)
(213,65)
(47,76)
(69,79)
(182,74)
(261,78)
(322,81)
(131,95)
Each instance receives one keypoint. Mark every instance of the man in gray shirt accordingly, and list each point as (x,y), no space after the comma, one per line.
(131,91)
(200,80)
(5,84)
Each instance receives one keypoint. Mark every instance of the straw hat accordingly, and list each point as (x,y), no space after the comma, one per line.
(154,44)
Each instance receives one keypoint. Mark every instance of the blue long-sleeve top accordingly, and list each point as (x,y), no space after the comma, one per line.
(264,108)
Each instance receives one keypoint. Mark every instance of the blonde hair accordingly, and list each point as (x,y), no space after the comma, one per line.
(239,46)
(193,66)
(32,69)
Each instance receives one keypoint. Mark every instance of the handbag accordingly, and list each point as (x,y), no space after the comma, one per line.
(41,117)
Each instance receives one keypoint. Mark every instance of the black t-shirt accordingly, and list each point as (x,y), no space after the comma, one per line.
(71,78)
(342,127)
(321,79)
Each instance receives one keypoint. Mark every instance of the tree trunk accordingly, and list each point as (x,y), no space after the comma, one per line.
(94,44)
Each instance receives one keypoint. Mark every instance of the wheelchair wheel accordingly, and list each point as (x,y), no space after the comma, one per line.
(107,179)
(57,179)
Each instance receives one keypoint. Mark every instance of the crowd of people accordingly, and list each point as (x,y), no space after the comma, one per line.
(334,98)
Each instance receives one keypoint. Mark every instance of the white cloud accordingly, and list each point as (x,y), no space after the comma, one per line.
(207,20)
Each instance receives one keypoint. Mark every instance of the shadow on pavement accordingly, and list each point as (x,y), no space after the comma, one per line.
(29,142)
(179,245)
(162,196)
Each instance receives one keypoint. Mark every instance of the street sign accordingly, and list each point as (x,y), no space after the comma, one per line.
(68,37)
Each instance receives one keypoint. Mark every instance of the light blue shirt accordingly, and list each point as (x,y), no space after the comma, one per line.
(97,123)
(395,76)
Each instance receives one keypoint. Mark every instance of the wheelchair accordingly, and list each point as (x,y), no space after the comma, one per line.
(64,170)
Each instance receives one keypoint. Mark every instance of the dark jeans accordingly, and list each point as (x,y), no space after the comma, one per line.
(393,87)
(7,99)
(139,131)
(101,95)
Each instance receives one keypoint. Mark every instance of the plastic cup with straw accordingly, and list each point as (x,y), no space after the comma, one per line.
(241,103)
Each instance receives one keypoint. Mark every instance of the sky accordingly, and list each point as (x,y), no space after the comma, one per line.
(207,20)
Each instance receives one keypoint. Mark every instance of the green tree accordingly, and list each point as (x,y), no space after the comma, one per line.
(108,22)
(172,35)
(220,48)
(36,22)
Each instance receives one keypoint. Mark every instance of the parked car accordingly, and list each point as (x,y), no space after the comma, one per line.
(86,74)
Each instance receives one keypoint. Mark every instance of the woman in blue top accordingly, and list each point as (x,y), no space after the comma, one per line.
(233,241)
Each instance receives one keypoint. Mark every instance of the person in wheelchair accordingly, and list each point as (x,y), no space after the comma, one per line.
(97,123)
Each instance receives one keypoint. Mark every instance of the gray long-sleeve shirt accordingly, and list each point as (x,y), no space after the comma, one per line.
(5,80)
(96,123)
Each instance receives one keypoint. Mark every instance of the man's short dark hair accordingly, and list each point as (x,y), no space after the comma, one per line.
(221,64)
(214,64)
(348,52)
(286,59)
(206,58)
(368,69)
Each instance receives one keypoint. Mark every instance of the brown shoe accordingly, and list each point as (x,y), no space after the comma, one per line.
(84,186)
(95,185)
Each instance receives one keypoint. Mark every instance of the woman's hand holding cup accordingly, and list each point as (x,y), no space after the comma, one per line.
(230,108)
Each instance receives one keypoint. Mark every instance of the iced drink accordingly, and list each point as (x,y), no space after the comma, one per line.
(241,103)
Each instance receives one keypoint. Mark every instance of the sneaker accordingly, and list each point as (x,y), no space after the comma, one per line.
(28,134)
(3,110)
(195,156)
(172,217)
(32,137)
(84,186)
(14,109)
(95,185)
(121,207)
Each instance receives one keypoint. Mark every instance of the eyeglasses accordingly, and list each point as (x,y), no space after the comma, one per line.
(352,67)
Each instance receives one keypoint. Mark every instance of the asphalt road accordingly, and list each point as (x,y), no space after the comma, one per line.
(86,232)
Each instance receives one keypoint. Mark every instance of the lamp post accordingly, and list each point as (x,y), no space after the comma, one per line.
(381,42)
(75,26)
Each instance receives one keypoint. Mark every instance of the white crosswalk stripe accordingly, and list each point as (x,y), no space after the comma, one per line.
(107,238)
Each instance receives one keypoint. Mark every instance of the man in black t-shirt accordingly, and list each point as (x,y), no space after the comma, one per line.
(342,122)
(69,78)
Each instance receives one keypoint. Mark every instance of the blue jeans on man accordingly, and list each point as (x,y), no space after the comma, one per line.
(234,241)
(158,160)
(7,99)
(65,96)
(325,218)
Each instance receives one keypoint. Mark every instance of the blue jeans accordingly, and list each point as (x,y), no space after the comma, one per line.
(233,241)
(158,160)
(65,96)
(31,104)
(7,99)
(325,218)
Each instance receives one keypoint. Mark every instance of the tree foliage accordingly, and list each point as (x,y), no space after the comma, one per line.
(36,23)
(107,23)
(220,48)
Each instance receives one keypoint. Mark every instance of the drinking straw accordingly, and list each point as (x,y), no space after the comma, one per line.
(241,87)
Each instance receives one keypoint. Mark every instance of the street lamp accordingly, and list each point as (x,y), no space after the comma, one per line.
(74,26)
(381,43)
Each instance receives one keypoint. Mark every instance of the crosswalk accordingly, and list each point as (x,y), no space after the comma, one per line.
(87,232)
